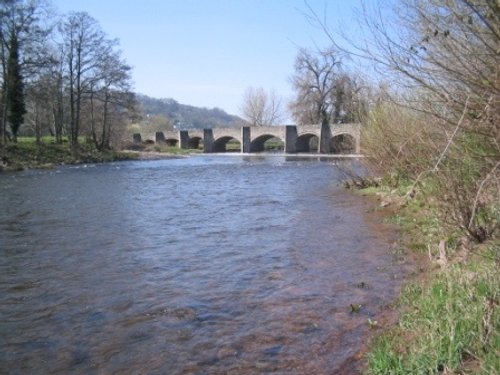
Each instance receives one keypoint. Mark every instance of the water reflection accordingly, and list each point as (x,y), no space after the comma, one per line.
(206,265)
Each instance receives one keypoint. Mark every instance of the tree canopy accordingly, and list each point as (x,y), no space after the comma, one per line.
(324,92)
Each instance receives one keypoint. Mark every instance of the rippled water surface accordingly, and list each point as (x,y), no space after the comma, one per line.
(204,265)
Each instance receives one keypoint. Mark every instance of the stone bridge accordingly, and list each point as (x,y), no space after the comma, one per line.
(296,138)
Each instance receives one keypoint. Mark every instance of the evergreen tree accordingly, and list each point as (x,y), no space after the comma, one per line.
(15,88)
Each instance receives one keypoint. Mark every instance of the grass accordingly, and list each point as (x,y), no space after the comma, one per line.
(274,144)
(450,322)
(26,153)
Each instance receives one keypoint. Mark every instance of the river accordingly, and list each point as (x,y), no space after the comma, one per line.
(200,265)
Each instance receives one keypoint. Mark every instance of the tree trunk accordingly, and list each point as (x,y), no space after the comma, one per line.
(58,110)
(38,126)
(92,120)
(105,130)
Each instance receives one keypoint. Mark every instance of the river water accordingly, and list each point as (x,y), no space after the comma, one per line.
(202,265)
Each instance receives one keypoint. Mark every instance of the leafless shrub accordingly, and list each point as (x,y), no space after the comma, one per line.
(442,131)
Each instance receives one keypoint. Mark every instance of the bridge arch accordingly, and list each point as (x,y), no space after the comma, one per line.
(220,144)
(195,142)
(307,142)
(343,143)
(258,143)
(345,138)
(171,142)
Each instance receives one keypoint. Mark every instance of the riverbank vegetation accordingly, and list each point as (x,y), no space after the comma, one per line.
(449,322)
(26,153)
(432,137)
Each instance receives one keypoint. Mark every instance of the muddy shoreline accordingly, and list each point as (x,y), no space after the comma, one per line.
(378,211)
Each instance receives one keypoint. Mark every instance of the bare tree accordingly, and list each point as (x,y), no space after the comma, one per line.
(314,83)
(86,47)
(444,67)
(39,97)
(57,92)
(98,80)
(447,48)
(110,95)
(260,108)
(77,80)
(20,21)
(45,96)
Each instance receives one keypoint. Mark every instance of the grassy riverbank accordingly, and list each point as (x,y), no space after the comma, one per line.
(26,154)
(450,319)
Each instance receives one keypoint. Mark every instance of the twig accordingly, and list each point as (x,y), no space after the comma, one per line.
(443,153)
(479,192)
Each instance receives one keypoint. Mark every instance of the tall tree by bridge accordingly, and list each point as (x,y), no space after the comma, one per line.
(324,92)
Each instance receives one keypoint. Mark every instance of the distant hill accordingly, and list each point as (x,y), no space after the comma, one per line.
(184,116)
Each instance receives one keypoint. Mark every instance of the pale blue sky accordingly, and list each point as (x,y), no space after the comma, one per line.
(207,52)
